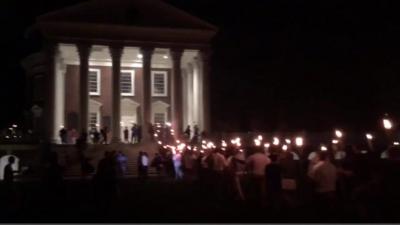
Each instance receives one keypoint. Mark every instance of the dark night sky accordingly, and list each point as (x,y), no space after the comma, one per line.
(277,65)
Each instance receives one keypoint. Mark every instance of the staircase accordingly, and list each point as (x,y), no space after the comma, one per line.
(68,157)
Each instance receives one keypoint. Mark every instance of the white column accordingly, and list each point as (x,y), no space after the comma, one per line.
(199,66)
(190,94)
(59,104)
(196,109)
(185,97)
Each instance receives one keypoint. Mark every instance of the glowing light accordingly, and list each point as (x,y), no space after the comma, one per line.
(324,148)
(203,142)
(387,124)
(178,141)
(284,147)
(97,125)
(275,141)
(260,137)
(168,124)
(224,144)
(61,126)
(14,125)
(140,56)
(396,143)
(369,136)
(257,142)
(165,57)
(181,146)
(335,141)
(288,141)
(159,142)
(266,145)
(7,137)
(299,141)
(240,150)
(338,133)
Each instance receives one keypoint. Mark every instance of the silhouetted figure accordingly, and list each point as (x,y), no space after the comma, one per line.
(11,200)
(126,135)
(53,182)
(105,182)
(157,163)
(187,132)
(196,133)
(273,178)
(96,136)
(63,135)
(151,131)
(9,172)
(104,135)
(134,133)
(139,133)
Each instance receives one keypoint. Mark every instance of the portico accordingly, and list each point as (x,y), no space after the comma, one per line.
(113,72)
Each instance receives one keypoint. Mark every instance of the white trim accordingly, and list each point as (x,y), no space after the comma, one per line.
(132,93)
(165,74)
(98,73)
(123,64)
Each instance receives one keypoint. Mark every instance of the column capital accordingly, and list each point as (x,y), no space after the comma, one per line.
(176,53)
(146,51)
(84,50)
(116,51)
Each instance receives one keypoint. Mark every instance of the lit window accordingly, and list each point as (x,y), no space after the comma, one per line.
(159,83)
(127,83)
(159,118)
(94,81)
(94,120)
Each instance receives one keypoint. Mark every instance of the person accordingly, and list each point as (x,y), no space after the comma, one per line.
(122,162)
(188,164)
(96,136)
(139,133)
(105,181)
(91,134)
(157,163)
(273,178)
(74,136)
(104,132)
(196,134)
(134,133)
(177,160)
(323,175)
(236,168)
(143,163)
(126,135)
(187,132)
(63,135)
(255,165)
(9,172)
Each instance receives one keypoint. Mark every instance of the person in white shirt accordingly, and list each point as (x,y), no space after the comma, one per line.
(324,175)
(236,166)
(255,165)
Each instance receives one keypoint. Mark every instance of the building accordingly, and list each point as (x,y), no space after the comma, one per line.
(118,62)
